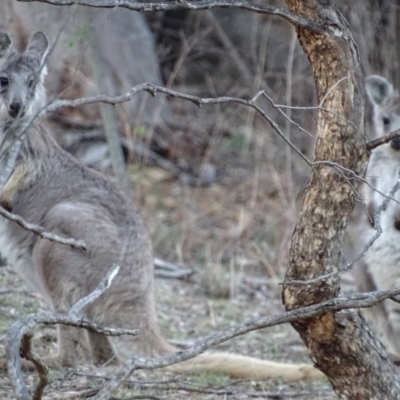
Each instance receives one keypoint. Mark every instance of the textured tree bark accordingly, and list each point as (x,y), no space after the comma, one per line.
(340,344)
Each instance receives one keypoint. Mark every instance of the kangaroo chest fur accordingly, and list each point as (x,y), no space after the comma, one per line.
(18,255)
(15,243)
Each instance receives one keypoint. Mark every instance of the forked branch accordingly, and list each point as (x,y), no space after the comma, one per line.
(18,338)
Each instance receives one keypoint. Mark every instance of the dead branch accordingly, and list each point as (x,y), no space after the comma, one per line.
(103,286)
(26,352)
(360,300)
(373,144)
(19,337)
(40,231)
(189,5)
(199,101)
(188,386)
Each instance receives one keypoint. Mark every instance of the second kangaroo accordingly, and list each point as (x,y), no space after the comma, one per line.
(380,268)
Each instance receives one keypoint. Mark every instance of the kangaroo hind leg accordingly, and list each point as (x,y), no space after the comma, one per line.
(62,272)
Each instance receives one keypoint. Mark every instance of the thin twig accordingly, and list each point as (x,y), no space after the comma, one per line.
(199,101)
(40,231)
(101,288)
(222,390)
(373,144)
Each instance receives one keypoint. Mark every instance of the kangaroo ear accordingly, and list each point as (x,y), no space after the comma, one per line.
(6,46)
(37,46)
(378,90)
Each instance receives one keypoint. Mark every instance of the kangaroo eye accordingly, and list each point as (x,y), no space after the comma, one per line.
(386,121)
(3,82)
(31,83)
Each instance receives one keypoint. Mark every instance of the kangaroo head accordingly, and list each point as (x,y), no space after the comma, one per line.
(385,107)
(21,76)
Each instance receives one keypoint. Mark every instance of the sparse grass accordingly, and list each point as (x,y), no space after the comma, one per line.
(207,379)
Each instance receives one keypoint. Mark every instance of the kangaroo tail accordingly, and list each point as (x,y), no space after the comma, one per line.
(245,367)
(151,343)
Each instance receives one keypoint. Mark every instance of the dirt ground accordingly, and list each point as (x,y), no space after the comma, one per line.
(185,314)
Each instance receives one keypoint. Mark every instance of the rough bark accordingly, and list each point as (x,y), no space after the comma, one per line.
(340,344)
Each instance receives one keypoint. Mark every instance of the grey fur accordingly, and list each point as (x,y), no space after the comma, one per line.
(381,267)
(6,46)
(21,79)
(50,188)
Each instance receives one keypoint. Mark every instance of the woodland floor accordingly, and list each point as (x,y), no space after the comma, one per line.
(234,235)
(185,314)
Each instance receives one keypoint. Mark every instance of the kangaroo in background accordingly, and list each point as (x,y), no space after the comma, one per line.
(50,188)
(380,268)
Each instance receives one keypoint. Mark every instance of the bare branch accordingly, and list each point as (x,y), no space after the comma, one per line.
(360,300)
(20,333)
(199,101)
(40,231)
(189,5)
(26,352)
(223,390)
(101,288)
(373,144)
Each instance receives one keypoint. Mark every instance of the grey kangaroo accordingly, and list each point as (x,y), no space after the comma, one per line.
(50,188)
(381,266)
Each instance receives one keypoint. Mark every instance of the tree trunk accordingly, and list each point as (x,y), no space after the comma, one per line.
(340,344)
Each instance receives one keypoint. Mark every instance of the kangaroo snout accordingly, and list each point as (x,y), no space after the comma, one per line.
(14,108)
(395,144)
